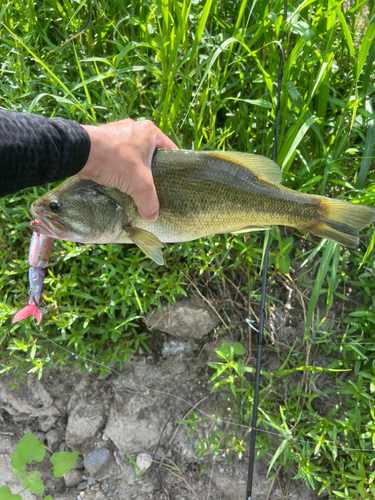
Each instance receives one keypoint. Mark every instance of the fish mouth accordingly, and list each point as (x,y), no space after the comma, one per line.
(42,226)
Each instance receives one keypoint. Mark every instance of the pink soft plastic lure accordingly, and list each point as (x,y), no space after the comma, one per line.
(39,254)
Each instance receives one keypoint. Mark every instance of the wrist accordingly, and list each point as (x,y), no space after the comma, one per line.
(94,157)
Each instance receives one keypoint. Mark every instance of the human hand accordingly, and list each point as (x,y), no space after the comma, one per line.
(120,157)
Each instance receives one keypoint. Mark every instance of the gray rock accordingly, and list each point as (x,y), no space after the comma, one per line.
(135,376)
(30,399)
(173,348)
(188,317)
(17,419)
(72,478)
(99,496)
(46,423)
(67,496)
(137,424)
(40,436)
(84,422)
(82,486)
(96,460)
(79,463)
(143,461)
(53,438)
(79,393)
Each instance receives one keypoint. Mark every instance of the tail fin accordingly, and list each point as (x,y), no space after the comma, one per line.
(341,220)
(30,310)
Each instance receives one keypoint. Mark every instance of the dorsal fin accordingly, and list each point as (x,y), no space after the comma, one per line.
(262,167)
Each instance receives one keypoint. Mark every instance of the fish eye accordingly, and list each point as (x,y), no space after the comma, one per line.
(55,206)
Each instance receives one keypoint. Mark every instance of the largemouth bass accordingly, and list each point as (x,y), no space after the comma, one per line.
(200,194)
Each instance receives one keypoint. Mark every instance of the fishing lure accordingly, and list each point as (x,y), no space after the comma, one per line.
(39,254)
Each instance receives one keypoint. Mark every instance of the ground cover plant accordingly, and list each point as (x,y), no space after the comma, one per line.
(30,450)
(206,73)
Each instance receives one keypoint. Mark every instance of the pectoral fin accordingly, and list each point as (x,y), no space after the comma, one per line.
(147,242)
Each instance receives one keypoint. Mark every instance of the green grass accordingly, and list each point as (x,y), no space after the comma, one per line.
(206,73)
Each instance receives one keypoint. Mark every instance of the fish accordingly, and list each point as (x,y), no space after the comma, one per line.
(201,193)
(39,255)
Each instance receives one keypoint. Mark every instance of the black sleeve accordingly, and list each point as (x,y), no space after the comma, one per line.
(35,150)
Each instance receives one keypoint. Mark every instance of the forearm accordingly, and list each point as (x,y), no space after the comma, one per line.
(35,150)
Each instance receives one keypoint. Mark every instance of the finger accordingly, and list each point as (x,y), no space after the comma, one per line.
(145,197)
(162,141)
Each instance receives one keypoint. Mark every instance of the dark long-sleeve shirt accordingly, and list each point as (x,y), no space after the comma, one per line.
(35,150)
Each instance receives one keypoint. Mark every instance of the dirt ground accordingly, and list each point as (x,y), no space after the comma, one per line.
(135,412)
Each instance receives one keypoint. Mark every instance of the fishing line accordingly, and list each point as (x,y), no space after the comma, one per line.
(287,436)
(264,284)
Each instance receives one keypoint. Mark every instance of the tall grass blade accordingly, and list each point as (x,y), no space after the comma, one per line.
(323,269)
(76,12)
(369,249)
(369,148)
(365,48)
(84,85)
(197,38)
(298,138)
(344,25)
(44,65)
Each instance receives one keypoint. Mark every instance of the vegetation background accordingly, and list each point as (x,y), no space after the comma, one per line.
(206,73)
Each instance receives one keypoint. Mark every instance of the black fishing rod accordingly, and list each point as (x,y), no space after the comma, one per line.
(253,424)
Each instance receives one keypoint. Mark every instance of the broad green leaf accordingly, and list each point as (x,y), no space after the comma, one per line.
(224,349)
(6,494)
(63,461)
(283,263)
(238,349)
(29,449)
(33,482)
